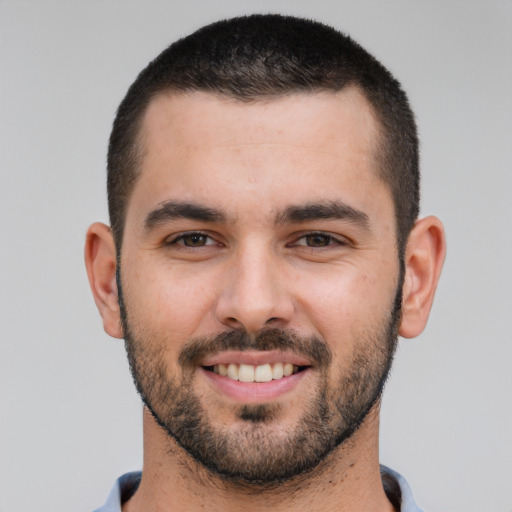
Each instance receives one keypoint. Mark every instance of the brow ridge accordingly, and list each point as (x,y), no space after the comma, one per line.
(296,214)
(330,210)
(172,210)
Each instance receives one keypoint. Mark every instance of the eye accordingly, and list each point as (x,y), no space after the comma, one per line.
(192,240)
(318,240)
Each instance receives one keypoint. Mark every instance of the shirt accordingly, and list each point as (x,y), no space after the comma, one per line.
(397,489)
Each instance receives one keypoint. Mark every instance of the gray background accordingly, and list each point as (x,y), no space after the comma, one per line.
(70,421)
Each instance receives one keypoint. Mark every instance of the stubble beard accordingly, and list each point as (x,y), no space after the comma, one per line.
(254,453)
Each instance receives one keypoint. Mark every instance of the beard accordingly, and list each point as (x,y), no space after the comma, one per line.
(254,451)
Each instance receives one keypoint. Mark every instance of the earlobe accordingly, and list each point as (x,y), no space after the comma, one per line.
(425,253)
(100,261)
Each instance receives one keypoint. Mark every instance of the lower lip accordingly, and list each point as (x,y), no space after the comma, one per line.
(254,392)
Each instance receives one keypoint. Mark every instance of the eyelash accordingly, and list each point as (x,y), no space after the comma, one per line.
(181,238)
(330,239)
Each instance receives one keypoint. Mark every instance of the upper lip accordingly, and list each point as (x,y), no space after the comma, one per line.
(255,357)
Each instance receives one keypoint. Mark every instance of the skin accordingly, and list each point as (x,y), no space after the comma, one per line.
(258,269)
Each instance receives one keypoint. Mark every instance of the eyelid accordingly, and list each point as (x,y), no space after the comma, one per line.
(177,237)
(334,239)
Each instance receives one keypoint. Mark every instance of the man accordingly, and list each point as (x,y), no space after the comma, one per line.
(264,254)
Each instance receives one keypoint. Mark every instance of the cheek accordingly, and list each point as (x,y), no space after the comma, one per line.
(166,302)
(348,305)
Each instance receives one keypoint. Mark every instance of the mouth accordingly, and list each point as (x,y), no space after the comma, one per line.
(255,373)
(255,377)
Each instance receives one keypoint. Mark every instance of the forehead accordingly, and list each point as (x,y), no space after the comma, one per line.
(342,118)
(215,149)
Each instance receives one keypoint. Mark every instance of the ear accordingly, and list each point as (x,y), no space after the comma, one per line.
(100,261)
(424,257)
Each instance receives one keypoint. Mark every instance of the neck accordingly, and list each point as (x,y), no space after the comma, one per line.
(347,480)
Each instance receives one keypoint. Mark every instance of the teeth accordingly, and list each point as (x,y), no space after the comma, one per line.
(277,371)
(287,369)
(246,373)
(251,373)
(263,373)
(233,371)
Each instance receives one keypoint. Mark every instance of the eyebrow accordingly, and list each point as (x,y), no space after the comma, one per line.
(172,210)
(331,210)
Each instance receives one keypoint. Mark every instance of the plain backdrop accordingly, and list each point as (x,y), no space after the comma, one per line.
(70,420)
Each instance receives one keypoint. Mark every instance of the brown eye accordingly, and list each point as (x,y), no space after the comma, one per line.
(195,240)
(192,240)
(317,240)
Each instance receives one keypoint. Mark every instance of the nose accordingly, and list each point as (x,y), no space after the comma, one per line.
(254,293)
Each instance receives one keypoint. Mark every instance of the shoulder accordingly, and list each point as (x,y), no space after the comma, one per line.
(398,491)
(123,489)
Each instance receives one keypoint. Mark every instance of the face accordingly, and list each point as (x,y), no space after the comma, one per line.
(260,278)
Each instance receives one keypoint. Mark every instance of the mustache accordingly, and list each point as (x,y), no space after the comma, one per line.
(311,347)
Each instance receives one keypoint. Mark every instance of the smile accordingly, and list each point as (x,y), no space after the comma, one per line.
(255,376)
(255,373)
